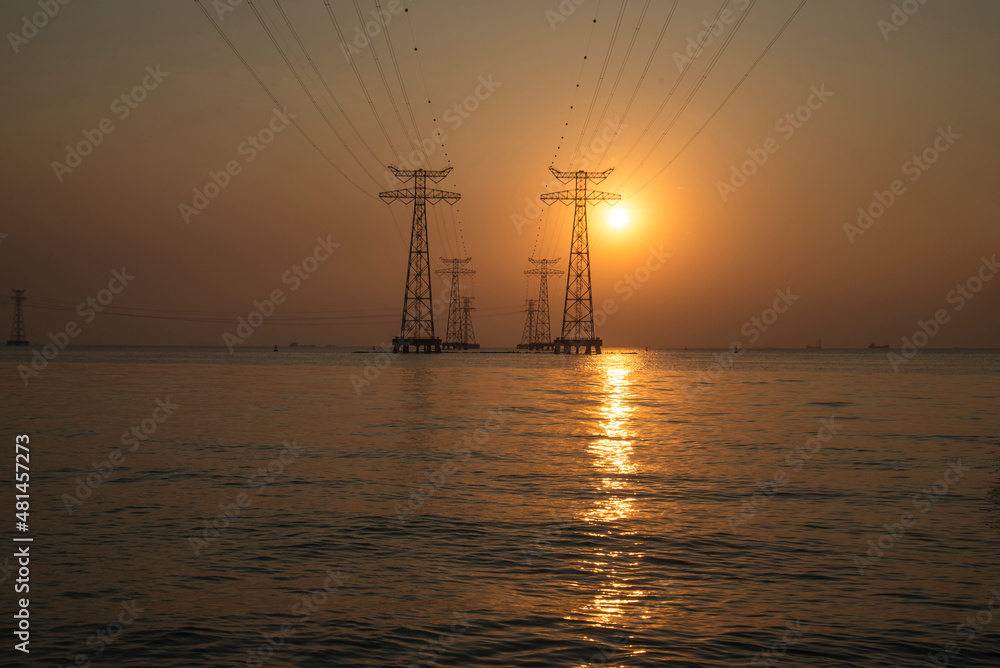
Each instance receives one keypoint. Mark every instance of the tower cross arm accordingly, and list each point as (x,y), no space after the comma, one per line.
(407,174)
(571,196)
(566,177)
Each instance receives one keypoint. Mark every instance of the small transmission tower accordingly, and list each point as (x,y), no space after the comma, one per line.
(455,267)
(542,333)
(417,329)
(578,312)
(529,336)
(467,335)
(17,336)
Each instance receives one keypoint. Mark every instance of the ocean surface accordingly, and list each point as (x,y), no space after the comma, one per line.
(326,507)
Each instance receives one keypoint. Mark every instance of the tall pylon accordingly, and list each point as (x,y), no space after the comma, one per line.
(530,335)
(541,331)
(417,328)
(455,267)
(467,335)
(578,311)
(17,336)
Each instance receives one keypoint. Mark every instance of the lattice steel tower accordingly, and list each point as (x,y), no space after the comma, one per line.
(17,336)
(541,332)
(467,335)
(417,329)
(578,312)
(455,267)
(529,335)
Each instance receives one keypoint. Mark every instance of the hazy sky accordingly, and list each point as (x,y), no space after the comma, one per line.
(880,96)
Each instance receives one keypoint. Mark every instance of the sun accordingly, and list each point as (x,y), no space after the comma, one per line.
(618,218)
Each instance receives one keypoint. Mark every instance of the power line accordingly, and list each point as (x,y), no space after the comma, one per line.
(579,78)
(381,73)
(726,99)
(621,69)
(695,89)
(395,65)
(642,77)
(274,99)
(361,81)
(323,80)
(600,77)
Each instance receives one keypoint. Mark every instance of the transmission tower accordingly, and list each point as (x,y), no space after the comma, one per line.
(529,336)
(455,267)
(17,336)
(417,328)
(541,338)
(468,336)
(578,312)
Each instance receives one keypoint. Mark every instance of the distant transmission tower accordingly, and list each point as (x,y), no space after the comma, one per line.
(578,312)
(541,338)
(455,267)
(17,336)
(417,329)
(467,335)
(529,336)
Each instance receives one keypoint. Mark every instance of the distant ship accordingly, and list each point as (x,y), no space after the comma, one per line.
(293,344)
(872,346)
(819,344)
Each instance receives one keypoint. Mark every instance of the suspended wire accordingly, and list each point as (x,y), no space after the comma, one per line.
(642,77)
(725,99)
(579,78)
(305,89)
(670,93)
(361,82)
(395,65)
(694,90)
(614,87)
(420,67)
(274,99)
(326,85)
(600,78)
(385,81)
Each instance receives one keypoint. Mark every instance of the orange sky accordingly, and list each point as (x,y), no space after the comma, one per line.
(887,95)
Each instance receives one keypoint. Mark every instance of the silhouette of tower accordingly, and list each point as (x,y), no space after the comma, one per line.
(467,335)
(529,336)
(417,328)
(455,267)
(17,336)
(578,312)
(542,332)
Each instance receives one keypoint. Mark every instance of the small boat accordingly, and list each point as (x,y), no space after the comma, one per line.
(872,346)
(819,345)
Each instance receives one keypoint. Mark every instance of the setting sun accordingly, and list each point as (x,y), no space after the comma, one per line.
(618,218)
